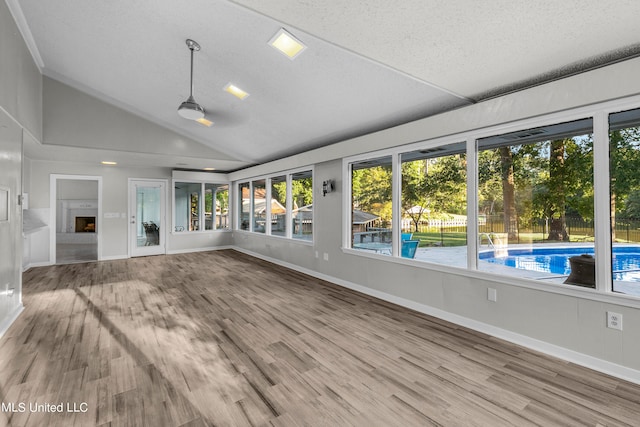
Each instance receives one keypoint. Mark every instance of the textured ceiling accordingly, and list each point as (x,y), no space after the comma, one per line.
(369,65)
(473,48)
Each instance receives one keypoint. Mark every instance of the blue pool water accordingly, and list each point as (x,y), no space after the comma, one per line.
(625,262)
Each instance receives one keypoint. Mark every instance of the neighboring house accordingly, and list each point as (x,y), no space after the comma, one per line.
(362,220)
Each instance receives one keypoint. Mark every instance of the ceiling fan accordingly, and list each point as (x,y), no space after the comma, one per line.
(190,109)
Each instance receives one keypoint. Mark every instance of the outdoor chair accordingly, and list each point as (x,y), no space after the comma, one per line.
(407,236)
(408,248)
(152,232)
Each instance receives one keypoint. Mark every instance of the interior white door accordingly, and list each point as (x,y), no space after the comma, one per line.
(147,219)
(10,216)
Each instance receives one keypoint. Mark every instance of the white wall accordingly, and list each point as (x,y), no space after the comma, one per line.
(20,117)
(73,189)
(76,119)
(571,325)
(10,220)
(20,81)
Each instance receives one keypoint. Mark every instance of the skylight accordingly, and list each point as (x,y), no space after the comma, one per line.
(287,44)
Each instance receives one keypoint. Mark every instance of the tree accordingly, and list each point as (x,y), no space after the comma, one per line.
(435,185)
(631,208)
(302,191)
(508,193)
(624,160)
(279,192)
(414,202)
(564,183)
(556,201)
(489,182)
(371,191)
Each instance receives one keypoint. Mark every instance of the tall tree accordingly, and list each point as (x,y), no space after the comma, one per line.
(556,208)
(624,160)
(508,194)
(434,186)
(371,191)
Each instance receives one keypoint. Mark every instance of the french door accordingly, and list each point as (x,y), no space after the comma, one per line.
(147,217)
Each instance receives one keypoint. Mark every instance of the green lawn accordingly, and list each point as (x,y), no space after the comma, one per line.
(454,238)
(438,239)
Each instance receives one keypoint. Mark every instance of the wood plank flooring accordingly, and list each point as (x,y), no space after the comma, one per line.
(220,338)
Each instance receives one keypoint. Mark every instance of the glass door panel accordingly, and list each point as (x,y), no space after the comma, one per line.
(147,218)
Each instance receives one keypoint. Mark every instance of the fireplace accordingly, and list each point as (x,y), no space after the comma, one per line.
(85,224)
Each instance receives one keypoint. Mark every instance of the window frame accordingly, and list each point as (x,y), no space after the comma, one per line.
(268,195)
(598,112)
(201,205)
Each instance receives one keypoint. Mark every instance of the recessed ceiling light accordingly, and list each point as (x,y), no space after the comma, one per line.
(208,169)
(105,162)
(204,122)
(235,91)
(287,44)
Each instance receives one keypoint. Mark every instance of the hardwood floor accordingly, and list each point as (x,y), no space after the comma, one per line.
(220,338)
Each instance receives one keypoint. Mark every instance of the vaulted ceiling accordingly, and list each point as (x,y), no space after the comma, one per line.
(368,65)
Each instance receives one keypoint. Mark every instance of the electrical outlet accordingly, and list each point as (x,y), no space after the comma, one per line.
(614,320)
(317,254)
(326,256)
(492,294)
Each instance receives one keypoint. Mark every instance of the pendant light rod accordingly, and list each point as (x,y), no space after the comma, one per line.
(192,45)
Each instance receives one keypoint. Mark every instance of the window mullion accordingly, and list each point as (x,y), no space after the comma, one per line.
(251,206)
(472,204)
(602,201)
(396,197)
(267,207)
(289,208)
(201,208)
(347,206)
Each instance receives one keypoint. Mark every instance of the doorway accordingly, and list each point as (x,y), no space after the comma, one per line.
(75,208)
(147,217)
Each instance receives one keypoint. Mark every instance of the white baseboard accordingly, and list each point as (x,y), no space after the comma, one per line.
(210,248)
(113,257)
(581,359)
(4,325)
(36,264)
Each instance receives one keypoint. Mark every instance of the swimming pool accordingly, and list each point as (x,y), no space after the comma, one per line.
(625,262)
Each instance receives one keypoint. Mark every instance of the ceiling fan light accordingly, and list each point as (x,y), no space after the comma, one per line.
(205,122)
(190,109)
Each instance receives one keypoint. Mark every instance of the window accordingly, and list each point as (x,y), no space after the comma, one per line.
(624,160)
(244,206)
(259,203)
(279,206)
(535,201)
(216,206)
(302,205)
(557,203)
(371,205)
(193,212)
(187,205)
(434,203)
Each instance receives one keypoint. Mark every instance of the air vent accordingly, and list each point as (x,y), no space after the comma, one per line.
(432,150)
(523,135)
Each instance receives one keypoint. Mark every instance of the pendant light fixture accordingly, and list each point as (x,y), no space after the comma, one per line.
(190,109)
